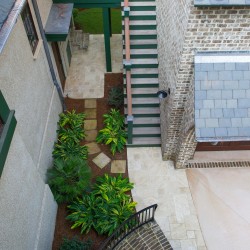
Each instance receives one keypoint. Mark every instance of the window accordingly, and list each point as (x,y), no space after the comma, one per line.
(7,128)
(30,27)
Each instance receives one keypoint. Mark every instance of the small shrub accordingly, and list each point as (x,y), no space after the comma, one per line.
(67,149)
(114,133)
(70,133)
(116,97)
(75,244)
(68,179)
(105,208)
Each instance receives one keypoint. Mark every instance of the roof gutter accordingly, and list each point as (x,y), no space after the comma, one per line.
(46,48)
(10,22)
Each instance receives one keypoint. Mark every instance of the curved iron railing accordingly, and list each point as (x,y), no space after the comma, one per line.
(135,221)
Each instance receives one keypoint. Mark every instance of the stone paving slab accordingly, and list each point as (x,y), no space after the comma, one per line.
(118,166)
(90,103)
(93,148)
(101,160)
(90,113)
(90,124)
(90,135)
(157,181)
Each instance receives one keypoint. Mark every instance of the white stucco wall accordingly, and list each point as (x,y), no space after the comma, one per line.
(27,207)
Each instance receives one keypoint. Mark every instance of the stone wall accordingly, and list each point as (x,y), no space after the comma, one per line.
(200,29)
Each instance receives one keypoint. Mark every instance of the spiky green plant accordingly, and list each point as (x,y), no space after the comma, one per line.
(113,133)
(68,179)
(105,208)
(75,244)
(116,97)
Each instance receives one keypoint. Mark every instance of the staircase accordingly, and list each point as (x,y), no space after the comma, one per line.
(148,237)
(144,74)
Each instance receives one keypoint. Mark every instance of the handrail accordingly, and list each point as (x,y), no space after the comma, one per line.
(135,221)
(128,72)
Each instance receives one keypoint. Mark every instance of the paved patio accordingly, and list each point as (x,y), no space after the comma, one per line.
(157,181)
(87,69)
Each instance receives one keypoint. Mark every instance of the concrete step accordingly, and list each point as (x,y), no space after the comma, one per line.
(143,71)
(141,13)
(142,91)
(144,80)
(140,3)
(146,131)
(141,22)
(139,111)
(146,100)
(146,120)
(143,41)
(142,32)
(142,51)
(145,142)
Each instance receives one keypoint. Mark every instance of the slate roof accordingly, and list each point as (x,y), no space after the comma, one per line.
(221,2)
(222,96)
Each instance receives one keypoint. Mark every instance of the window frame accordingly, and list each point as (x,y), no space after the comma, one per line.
(30,27)
(9,120)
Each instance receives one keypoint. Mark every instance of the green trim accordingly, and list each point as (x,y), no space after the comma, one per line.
(9,120)
(153,17)
(144,105)
(56,37)
(107,33)
(6,137)
(148,95)
(143,85)
(142,56)
(142,145)
(142,37)
(142,8)
(88,1)
(130,132)
(142,76)
(146,135)
(147,125)
(144,66)
(4,109)
(146,115)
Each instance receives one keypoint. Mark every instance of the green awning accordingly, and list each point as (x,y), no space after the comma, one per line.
(57,26)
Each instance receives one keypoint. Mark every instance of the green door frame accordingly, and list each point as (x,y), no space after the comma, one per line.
(106,20)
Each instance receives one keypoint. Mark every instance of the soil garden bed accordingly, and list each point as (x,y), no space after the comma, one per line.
(62,225)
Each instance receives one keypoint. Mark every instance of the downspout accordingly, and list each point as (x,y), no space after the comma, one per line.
(46,48)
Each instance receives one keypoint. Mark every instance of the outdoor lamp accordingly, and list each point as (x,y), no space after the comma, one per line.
(163,94)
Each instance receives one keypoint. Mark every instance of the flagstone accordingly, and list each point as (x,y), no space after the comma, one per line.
(90,103)
(101,160)
(90,124)
(90,113)
(93,148)
(118,166)
(90,135)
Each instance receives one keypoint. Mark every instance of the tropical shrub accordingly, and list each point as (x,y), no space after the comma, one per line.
(75,244)
(70,133)
(68,179)
(113,133)
(115,97)
(65,150)
(105,208)
(71,126)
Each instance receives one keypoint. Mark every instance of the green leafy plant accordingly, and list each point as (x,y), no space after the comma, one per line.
(68,179)
(105,208)
(114,133)
(75,244)
(116,97)
(66,149)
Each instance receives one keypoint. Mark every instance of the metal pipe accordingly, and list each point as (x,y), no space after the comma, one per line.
(48,56)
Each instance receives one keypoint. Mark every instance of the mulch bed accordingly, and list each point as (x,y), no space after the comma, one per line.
(62,225)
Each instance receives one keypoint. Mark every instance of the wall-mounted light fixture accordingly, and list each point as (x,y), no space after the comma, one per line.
(163,94)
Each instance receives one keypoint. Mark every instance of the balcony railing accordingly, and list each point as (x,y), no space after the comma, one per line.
(135,221)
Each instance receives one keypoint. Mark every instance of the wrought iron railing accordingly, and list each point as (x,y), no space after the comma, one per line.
(135,221)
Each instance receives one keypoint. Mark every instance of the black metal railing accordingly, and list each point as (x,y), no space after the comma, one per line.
(135,221)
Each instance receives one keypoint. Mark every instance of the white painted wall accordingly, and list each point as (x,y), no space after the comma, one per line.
(27,207)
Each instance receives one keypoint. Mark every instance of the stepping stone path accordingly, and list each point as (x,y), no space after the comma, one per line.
(90,126)
(101,160)
(118,166)
(93,148)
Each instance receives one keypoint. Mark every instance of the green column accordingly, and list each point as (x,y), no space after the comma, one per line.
(107,32)
(110,28)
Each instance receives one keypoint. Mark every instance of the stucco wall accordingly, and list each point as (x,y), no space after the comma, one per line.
(27,207)
(206,28)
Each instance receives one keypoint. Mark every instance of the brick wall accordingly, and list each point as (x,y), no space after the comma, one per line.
(182,30)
